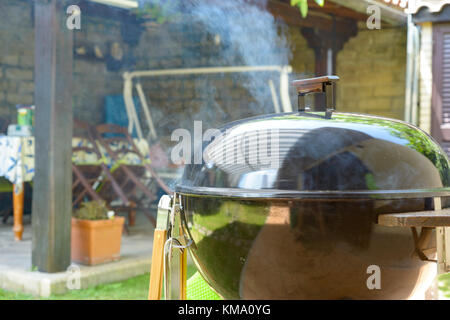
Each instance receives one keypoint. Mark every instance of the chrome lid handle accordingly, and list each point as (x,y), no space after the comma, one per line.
(324,84)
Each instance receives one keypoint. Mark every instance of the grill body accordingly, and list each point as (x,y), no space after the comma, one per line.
(285,206)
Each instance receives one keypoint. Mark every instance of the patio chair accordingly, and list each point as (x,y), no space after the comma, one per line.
(89,176)
(118,144)
(85,176)
(94,181)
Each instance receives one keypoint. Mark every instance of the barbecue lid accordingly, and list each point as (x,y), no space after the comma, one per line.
(319,155)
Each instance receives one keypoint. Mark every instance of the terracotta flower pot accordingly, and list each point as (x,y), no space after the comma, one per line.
(96,241)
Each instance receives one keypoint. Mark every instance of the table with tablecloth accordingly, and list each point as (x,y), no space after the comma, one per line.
(17,165)
(17,156)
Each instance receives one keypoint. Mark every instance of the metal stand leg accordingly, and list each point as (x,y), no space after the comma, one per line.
(183,275)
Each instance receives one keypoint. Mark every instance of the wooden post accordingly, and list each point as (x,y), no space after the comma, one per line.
(157,268)
(326,45)
(440,240)
(53,134)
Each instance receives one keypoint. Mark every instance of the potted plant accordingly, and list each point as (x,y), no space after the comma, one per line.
(96,234)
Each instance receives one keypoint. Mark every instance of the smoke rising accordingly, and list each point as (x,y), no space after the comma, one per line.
(229,33)
(240,33)
(249,35)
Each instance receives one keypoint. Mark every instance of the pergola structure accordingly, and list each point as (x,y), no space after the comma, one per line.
(326,29)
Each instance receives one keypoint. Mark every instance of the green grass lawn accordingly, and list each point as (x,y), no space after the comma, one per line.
(132,289)
(137,289)
(444,284)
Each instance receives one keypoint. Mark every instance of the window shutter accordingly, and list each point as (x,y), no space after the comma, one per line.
(440,126)
(445,89)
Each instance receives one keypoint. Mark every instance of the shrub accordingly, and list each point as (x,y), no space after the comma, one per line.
(92,210)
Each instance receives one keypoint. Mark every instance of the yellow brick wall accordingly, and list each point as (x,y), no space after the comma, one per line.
(302,60)
(372,68)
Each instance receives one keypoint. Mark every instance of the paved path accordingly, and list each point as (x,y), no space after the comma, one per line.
(16,272)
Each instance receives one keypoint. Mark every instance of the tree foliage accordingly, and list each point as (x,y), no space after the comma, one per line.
(303,5)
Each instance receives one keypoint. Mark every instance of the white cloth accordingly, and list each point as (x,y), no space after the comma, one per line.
(17,158)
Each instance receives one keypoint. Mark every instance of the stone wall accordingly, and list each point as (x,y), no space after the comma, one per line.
(302,61)
(16,57)
(372,68)
(216,98)
(92,80)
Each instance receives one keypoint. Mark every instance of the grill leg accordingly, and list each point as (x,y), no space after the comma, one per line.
(156,273)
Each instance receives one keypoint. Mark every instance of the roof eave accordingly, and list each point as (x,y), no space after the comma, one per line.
(388,14)
(433,7)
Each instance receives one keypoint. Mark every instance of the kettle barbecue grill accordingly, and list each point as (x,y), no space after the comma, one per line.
(301,205)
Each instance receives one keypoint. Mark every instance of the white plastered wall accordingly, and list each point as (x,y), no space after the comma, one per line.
(426,76)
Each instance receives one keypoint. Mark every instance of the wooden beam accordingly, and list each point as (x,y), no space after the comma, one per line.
(334,9)
(337,10)
(292,16)
(388,14)
(53,134)
(93,9)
